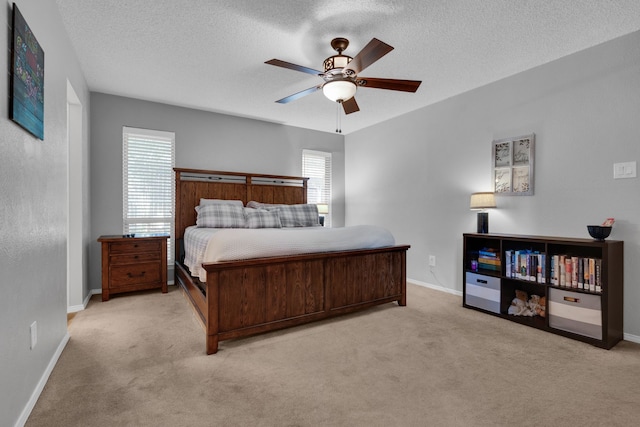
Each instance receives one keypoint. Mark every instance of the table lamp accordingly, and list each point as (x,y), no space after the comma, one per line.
(480,202)
(323,209)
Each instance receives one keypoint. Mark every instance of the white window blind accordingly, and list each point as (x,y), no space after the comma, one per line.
(316,165)
(149,183)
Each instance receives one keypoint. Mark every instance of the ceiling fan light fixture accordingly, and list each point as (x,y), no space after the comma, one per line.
(339,90)
(336,62)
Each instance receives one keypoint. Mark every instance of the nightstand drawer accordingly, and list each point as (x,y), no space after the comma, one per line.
(134,258)
(135,274)
(132,246)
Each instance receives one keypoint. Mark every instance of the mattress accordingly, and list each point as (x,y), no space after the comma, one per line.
(206,245)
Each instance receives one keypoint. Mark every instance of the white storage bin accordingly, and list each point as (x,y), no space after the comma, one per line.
(575,312)
(482,292)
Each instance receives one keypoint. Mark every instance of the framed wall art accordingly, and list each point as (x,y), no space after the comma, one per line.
(512,165)
(27,78)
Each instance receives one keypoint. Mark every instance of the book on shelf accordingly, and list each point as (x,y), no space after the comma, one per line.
(574,271)
(525,265)
(488,259)
(580,274)
(488,253)
(541,272)
(570,271)
(598,268)
(585,276)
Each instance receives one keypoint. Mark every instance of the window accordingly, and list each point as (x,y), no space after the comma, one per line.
(316,165)
(148,183)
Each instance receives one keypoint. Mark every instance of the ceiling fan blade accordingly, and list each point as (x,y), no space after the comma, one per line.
(368,55)
(298,95)
(295,67)
(350,105)
(391,84)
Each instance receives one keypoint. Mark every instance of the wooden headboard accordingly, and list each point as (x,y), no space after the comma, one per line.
(194,184)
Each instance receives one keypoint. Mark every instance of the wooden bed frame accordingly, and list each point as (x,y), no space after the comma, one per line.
(242,298)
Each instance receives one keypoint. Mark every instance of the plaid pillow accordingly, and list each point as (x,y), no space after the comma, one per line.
(220,216)
(204,202)
(260,205)
(255,205)
(297,215)
(260,218)
(220,202)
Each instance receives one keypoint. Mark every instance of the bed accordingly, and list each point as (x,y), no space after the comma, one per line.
(243,297)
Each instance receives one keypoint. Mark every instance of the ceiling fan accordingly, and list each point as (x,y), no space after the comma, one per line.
(341,78)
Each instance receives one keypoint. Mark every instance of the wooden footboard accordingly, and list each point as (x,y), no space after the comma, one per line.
(253,296)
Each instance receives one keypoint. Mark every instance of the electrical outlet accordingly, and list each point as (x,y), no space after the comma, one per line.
(34,334)
(432,260)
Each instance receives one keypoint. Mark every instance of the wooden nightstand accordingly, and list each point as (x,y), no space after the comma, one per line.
(133,263)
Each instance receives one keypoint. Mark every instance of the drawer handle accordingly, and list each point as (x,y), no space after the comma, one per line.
(572,299)
(131,276)
(481,281)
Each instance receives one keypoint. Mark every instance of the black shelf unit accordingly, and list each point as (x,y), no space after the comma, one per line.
(592,317)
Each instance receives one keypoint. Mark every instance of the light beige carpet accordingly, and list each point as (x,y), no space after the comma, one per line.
(138,360)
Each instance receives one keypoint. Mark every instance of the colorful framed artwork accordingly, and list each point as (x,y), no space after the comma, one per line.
(512,165)
(27,78)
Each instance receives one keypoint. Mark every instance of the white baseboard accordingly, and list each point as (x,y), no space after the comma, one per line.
(80,307)
(24,416)
(436,287)
(631,338)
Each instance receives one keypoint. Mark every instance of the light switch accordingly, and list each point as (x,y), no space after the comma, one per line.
(624,170)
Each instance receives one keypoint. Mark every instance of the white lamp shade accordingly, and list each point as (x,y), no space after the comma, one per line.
(482,201)
(339,90)
(323,208)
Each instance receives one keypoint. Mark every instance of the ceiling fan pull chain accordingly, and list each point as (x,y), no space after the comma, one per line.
(338,124)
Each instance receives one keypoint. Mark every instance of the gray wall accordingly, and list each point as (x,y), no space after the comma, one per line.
(33,190)
(415,173)
(203,141)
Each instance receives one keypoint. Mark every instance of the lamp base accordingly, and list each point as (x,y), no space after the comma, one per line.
(483,222)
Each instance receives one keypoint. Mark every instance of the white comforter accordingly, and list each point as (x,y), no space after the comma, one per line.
(203,245)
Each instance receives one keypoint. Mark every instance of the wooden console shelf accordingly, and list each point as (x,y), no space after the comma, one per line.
(580,282)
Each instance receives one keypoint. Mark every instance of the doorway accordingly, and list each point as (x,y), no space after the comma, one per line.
(75,218)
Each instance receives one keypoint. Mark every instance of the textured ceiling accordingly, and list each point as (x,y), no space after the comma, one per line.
(210,54)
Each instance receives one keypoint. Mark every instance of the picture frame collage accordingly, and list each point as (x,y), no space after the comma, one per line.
(512,165)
